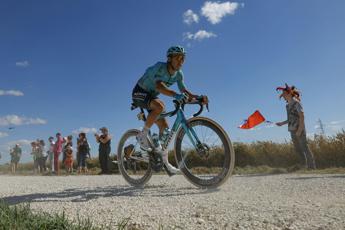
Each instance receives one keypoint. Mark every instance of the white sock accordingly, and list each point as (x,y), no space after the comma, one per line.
(145,130)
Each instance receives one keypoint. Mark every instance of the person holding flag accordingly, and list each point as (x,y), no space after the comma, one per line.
(296,125)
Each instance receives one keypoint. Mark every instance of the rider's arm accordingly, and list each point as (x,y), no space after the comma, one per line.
(190,94)
(183,89)
(182,86)
(161,88)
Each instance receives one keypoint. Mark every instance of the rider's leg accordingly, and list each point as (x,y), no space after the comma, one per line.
(156,107)
(163,124)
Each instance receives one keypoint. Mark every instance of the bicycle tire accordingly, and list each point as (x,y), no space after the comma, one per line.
(229,155)
(120,155)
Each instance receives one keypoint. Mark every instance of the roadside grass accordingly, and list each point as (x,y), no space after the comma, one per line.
(21,217)
(264,169)
(27,169)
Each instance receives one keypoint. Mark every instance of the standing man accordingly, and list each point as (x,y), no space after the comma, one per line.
(104,149)
(296,126)
(51,153)
(16,153)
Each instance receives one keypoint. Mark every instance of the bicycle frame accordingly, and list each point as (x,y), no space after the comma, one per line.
(180,121)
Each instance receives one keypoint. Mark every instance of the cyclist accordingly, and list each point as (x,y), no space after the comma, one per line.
(156,80)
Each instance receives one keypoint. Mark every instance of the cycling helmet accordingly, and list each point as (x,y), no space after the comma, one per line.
(176,50)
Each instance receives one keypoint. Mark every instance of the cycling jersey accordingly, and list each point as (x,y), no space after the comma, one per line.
(159,72)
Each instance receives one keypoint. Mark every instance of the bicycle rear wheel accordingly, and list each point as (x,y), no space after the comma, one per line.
(212,162)
(133,163)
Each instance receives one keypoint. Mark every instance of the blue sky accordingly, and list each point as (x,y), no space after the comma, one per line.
(71,65)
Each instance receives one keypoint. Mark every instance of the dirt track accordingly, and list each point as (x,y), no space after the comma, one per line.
(244,202)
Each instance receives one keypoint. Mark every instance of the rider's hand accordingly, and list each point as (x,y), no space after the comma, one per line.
(181,97)
(204,100)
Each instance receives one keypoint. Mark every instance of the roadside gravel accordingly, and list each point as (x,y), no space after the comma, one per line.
(288,201)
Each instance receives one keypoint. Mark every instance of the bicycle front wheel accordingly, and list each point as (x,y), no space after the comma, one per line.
(209,162)
(134,163)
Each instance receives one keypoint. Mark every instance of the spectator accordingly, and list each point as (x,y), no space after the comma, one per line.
(34,153)
(104,149)
(16,153)
(83,150)
(296,126)
(57,152)
(42,156)
(51,153)
(69,143)
(68,151)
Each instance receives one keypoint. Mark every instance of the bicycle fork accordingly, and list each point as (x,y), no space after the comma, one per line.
(189,131)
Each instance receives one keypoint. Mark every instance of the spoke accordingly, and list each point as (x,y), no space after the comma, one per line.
(205,168)
(215,142)
(136,167)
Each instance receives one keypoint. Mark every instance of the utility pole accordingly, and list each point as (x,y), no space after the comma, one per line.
(321,127)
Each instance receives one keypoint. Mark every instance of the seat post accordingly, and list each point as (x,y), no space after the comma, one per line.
(144,116)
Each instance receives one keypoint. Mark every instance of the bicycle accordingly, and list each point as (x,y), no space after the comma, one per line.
(207,161)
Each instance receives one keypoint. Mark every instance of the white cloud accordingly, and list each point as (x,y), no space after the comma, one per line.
(190,17)
(17,120)
(11,93)
(85,130)
(215,11)
(200,35)
(23,64)
(336,122)
(333,126)
(3,134)
(336,128)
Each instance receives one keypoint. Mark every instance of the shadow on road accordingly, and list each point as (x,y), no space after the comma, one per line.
(305,178)
(84,195)
(336,176)
(257,175)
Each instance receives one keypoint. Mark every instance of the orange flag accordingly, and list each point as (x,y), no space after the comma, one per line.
(253,120)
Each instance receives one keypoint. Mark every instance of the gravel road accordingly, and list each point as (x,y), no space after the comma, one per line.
(288,201)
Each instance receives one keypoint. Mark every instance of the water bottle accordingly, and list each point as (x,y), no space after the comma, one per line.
(165,135)
(155,140)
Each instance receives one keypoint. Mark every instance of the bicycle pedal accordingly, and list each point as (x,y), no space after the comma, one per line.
(156,161)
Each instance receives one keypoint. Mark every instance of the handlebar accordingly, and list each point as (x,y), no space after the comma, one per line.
(178,105)
(196,101)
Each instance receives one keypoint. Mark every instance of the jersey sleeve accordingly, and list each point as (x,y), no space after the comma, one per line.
(180,82)
(159,74)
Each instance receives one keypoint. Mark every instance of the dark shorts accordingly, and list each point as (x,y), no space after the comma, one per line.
(142,98)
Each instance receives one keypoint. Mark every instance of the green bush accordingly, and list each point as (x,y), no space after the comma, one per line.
(329,152)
